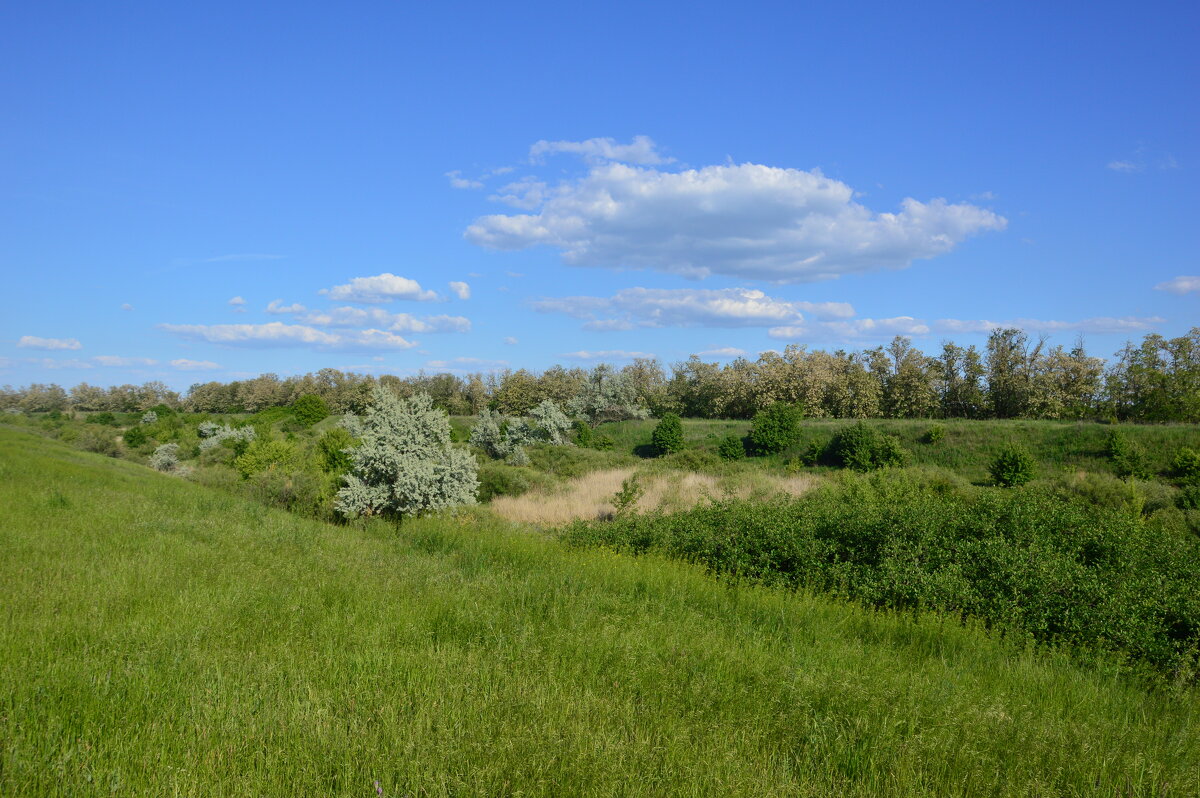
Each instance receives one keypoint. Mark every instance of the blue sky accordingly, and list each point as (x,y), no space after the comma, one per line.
(475,186)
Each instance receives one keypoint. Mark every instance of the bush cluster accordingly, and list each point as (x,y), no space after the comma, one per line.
(863,448)
(1025,561)
(1128,458)
(667,437)
(775,428)
(1012,467)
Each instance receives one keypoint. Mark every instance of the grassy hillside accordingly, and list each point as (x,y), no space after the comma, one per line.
(161,638)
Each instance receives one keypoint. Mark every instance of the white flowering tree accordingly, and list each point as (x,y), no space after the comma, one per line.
(405,464)
(607,395)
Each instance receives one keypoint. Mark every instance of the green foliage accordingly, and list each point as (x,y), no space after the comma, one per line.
(149,417)
(606,395)
(98,441)
(1186,465)
(310,409)
(587,437)
(625,500)
(775,428)
(500,479)
(106,418)
(1128,458)
(1012,466)
(667,437)
(262,455)
(134,437)
(333,450)
(1024,561)
(405,464)
(550,423)
(732,447)
(934,434)
(1188,498)
(863,448)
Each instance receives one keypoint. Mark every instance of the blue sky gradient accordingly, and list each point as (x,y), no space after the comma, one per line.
(474,186)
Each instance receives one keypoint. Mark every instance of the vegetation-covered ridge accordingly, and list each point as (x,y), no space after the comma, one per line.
(1013,377)
(162,638)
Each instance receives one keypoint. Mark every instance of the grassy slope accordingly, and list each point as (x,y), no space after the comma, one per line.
(159,638)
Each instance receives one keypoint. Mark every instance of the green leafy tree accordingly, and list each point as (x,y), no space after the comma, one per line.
(263,455)
(1012,466)
(405,464)
(310,409)
(864,448)
(334,449)
(667,437)
(607,395)
(775,428)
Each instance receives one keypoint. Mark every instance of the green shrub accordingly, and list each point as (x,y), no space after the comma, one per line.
(166,458)
(1128,458)
(694,460)
(310,409)
(732,447)
(135,437)
(333,450)
(667,437)
(934,434)
(98,441)
(1186,465)
(500,479)
(1188,498)
(303,492)
(775,428)
(1025,562)
(262,455)
(625,500)
(863,448)
(1012,466)
(106,418)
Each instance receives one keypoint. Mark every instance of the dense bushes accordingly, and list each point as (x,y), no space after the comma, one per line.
(309,410)
(1012,467)
(1128,459)
(667,437)
(1025,561)
(864,448)
(775,428)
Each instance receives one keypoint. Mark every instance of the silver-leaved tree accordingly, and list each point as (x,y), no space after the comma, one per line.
(405,464)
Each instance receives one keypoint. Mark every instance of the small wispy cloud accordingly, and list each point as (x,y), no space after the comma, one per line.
(1123,166)
(127,306)
(117,361)
(511,341)
(605,354)
(458,181)
(642,150)
(379,288)
(723,351)
(1183,284)
(34,342)
(460,289)
(276,306)
(460,363)
(238,304)
(183,364)
(288,335)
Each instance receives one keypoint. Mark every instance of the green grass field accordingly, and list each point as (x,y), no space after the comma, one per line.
(162,638)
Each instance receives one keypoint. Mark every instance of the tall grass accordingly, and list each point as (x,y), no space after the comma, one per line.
(160,638)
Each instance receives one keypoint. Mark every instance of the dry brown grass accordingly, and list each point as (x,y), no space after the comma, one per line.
(590,496)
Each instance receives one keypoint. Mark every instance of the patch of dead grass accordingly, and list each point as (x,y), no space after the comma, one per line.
(590,496)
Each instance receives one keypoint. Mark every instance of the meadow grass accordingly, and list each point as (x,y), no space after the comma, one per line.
(161,638)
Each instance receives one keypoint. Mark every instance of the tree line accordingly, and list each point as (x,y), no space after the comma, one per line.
(1013,376)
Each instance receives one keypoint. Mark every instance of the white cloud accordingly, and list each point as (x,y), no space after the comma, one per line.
(689,307)
(1183,284)
(642,150)
(238,304)
(854,328)
(183,364)
(117,361)
(50,363)
(746,220)
(526,193)
(511,341)
(379,288)
(279,334)
(378,317)
(276,306)
(1097,325)
(723,351)
(606,354)
(34,342)
(458,181)
(127,306)
(461,363)
(460,289)
(1124,166)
